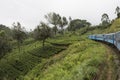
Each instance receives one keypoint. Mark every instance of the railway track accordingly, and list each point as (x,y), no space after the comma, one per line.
(111,49)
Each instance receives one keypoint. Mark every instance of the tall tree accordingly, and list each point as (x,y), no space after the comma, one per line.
(117,11)
(70,19)
(19,34)
(63,22)
(42,32)
(55,29)
(53,19)
(105,19)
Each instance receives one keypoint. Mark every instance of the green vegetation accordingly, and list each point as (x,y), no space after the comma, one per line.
(78,63)
(42,32)
(18,34)
(74,62)
(105,20)
(115,26)
(46,54)
(4,44)
(117,11)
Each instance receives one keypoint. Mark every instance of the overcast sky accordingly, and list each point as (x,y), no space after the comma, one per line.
(30,12)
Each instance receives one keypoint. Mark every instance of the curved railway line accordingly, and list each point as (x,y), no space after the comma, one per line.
(113,50)
(113,40)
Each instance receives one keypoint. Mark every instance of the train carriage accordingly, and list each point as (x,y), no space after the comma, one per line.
(113,38)
(110,38)
(117,40)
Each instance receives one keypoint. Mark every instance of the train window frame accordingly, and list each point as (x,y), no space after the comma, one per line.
(117,37)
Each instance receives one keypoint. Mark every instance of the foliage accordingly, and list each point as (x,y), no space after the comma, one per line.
(115,26)
(63,22)
(117,11)
(5,45)
(42,32)
(53,19)
(79,64)
(77,24)
(105,20)
(65,57)
(18,34)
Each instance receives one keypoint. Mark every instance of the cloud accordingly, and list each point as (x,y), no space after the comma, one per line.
(31,12)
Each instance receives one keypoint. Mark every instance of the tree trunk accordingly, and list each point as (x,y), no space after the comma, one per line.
(19,46)
(55,32)
(62,30)
(55,29)
(118,15)
(43,43)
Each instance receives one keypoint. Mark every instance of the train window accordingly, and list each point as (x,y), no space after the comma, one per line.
(99,36)
(110,37)
(117,36)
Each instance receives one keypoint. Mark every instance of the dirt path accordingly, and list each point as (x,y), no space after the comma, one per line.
(109,52)
(109,73)
(113,73)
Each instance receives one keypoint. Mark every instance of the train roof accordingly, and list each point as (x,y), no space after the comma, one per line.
(117,32)
(110,34)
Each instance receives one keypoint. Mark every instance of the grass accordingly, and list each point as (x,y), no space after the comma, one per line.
(15,64)
(115,26)
(80,62)
(65,57)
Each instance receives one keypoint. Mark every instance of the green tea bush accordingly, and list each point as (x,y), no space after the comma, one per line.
(79,64)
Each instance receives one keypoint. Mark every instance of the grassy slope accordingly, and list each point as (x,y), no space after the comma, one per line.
(82,60)
(15,64)
(79,61)
(115,26)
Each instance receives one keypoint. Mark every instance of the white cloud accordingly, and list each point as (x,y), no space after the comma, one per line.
(31,12)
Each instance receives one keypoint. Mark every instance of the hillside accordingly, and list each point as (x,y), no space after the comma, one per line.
(115,26)
(71,56)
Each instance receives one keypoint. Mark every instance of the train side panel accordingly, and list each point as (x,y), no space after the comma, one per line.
(92,37)
(113,38)
(109,38)
(117,40)
(100,37)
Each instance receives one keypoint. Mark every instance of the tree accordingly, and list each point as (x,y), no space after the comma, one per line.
(77,24)
(105,19)
(55,29)
(4,43)
(70,19)
(117,11)
(18,34)
(63,22)
(7,30)
(42,32)
(53,19)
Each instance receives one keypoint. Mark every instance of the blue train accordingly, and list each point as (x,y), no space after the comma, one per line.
(113,38)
